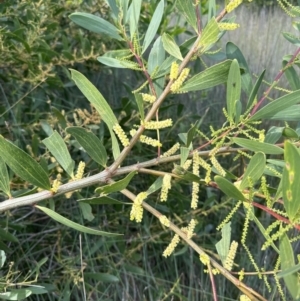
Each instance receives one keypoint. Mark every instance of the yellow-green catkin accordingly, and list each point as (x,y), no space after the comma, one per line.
(228,26)
(244,298)
(195,185)
(187,164)
(147,140)
(157,125)
(231,255)
(137,208)
(148,98)
(56,183)
(121,134)
(171,247)
(204,258)
(171,151)
(191,228)
(80,171)
(179,81)
(233,5)
(166,186)
(174,71)
(241,275)
(164,221)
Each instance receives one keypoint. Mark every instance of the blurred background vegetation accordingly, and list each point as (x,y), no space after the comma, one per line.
(38,44)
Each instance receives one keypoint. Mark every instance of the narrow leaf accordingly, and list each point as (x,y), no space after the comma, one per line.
(4,178)
(291,38)
(155,186)
(23,165)
(291,76)
(7,236)
(210,77)
(153,26)
(184,153)
(229,189)
(135,10)
(254,91)
(140,104)
(223,244)
(57,217)
(95,98)
(56,145)
(117,63)
(277,105)
(156,56)
(15,294)
(287,261)
(254,171)
(273,134)
(117,186)
(210,34)
(290,114)
(289,271)
(233,88)
(188,10)
(86,211)
(291,180)
(91,144)
(257,146)
(114,8)
(171,47)
(95,24)
(103,277)
(2,258)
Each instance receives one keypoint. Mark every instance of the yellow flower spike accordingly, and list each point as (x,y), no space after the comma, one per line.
(166,185)
(121,134)
(195,185)
(182,77)
(147,140)
(231,255)
(244,298)
(157,125)
(228,26)
(55,185)
(204,258)
(171,151)
(164,221)
(174,71)
(191,228)
(148,98)
(171,247)
(233,5)
(80,171)
(137,209)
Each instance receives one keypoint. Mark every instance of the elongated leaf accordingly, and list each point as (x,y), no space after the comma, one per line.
(210,77)
(233,52)
(103,277)
(153,26)
(210,34)
(7,236)
(291,38)
(290,114)
(257,146)
(192,131)
(291,76)
(140,103)
(4,178)
(184,153)
(57,217)
(115,144)
(95,98)
(56,145)
(223,244)
(23,165)
(117,186)
(287,272)
(287,262)
(273,134)
(254,91)
(156,56)
(229,189)
(103,200)
(187,9)
(155,186)
(86,211)
(135,10)
(291,180)
(254,170)
(2,258)
(91,144)
(115,63)
(16,294)
(277,105)
(123,4)
(171,47)
(114,8)
(95,24)
(186,175)
(233,88)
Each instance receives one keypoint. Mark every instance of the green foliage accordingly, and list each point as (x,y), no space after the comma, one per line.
(263,183)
